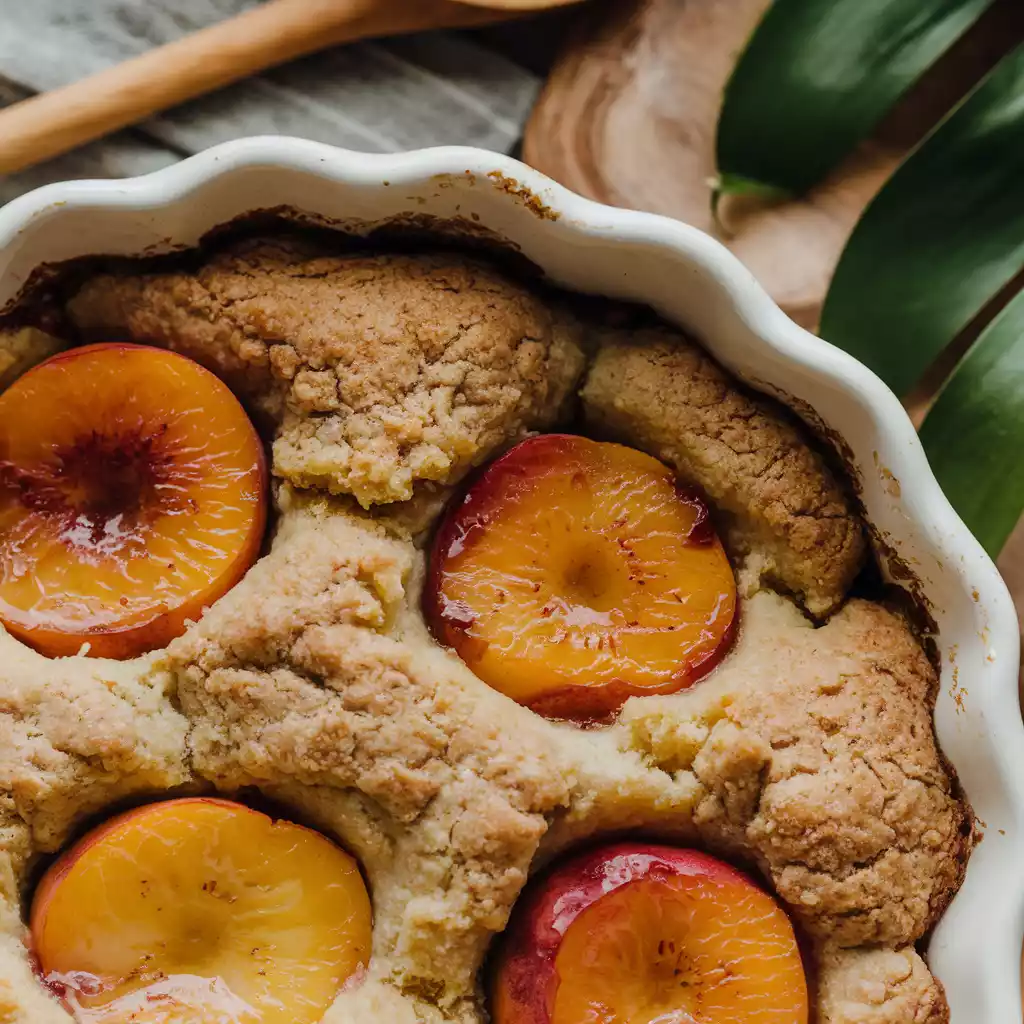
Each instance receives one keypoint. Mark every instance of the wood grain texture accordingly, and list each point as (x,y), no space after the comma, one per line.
(629,115)
(122,155)
(200,63)
(437,88)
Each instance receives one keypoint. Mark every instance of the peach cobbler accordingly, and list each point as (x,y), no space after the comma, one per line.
(388,639)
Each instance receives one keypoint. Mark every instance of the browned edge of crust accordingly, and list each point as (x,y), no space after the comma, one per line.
(906,595)
(49,284)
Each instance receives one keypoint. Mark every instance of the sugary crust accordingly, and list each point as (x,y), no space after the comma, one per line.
(785,514)
(378,371)
(808,753)
(880,986)
(816,754)
(77,735)
(22,999)
(331,682)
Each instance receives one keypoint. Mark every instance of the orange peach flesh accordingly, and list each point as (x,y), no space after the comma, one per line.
(641,934)
(132,495)
(576,573)
(659,949)
(201,911)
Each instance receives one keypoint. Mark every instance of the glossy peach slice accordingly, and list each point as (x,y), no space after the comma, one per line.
(201,911)
(576,573)
(132,495)
(641,934)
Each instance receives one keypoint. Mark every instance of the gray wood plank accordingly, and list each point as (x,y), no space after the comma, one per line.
(124,154)
(380,96)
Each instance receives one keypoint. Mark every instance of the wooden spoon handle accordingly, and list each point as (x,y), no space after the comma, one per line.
(272,33)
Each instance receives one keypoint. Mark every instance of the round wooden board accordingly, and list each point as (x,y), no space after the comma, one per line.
(629,113)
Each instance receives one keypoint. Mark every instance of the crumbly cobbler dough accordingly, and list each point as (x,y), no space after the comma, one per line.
(378,370)
(783,511)
(809,752)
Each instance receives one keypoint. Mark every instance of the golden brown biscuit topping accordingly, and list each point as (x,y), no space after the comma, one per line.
(808,753)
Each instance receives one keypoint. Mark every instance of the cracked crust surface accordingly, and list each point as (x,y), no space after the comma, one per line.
(784,512)
(816,754)
(378,371)
(77,735)
(808,753)
(333,683)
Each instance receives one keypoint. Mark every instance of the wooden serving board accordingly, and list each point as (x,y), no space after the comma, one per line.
(629,114)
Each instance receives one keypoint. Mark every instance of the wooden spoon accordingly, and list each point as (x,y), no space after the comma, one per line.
(272,33)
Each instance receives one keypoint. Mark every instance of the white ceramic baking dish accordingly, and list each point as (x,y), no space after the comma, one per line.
(694,281)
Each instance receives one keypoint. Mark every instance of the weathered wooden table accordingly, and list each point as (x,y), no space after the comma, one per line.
(454,88)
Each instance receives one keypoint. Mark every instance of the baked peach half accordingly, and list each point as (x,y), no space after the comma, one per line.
(642,934)
(132,495)
(576,573)
(200,911)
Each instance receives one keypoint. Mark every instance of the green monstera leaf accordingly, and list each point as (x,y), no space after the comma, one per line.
(944,235)
(815,79)
(974,433)
(940,245)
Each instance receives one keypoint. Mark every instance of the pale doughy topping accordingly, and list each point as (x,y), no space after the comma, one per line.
(808,752)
